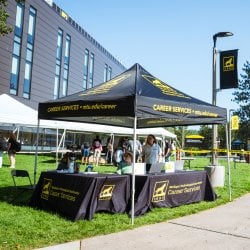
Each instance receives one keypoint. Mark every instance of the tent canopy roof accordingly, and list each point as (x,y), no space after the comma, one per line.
(133,94)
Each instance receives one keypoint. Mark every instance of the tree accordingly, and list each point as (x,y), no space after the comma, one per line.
(242,97)
(4,28)
(206,132)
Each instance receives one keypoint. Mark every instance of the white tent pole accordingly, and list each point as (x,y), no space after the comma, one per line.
(56,145)
(133,175)
(228,165)
(36,154)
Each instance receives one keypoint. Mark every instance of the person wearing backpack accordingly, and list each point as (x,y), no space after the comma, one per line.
(12,149)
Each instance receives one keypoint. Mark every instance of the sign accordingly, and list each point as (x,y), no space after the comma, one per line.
(228,69)
(235,122)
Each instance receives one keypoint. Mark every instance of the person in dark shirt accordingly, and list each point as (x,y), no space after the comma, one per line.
(11,150)
(63,164)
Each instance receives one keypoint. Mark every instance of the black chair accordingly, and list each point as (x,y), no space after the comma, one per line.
(23,185)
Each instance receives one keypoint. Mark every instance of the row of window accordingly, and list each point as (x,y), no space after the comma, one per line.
(60,90)
(16,54)
(82,31)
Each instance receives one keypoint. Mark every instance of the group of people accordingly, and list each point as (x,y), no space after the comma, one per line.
(8,145)
(96,148)
(148,152)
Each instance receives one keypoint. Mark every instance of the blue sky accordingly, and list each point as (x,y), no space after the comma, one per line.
(172,40)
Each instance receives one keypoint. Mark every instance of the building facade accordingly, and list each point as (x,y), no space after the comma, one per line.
(48,55)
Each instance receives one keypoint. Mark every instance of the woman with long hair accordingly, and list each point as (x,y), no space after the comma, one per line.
(11,150)
(151,151)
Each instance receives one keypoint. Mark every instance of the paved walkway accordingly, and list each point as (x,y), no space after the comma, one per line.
(224,227)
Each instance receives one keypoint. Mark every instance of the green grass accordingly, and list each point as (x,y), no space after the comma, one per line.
(23,227)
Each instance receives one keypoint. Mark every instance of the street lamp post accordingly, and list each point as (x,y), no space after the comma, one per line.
(214,92)
(230,130)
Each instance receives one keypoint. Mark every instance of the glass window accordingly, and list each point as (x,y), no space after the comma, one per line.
(19,16)
(84,82)
(16,49)
(27,77)
(67,46)
(57,70)
(91,66)
(29,55)
(86,62)
(58,63)
(14,69)
(19,20)
(64,87)
(31,25)
(14,76)
(59,44)
(110,73)
(27,71)
(105,74)
(56,87)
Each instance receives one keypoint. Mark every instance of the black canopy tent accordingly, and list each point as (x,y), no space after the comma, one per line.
(133,99)
(134,93)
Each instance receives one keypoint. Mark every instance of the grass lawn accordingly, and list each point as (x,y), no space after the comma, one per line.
(23,227)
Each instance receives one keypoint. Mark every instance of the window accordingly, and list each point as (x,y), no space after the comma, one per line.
(58,63)
(66,66)
(16,53)
(91,70)
(105,75)
(19,19)
(109,73)
(29,53)
(85,69)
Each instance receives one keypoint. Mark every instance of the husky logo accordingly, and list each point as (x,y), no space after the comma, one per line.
(47,184)
(160,191)
(228,63)
(106,192)
(165,89)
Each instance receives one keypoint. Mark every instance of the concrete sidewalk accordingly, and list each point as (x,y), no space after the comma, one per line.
(223,227)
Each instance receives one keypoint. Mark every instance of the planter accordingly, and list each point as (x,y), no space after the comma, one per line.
(247,158)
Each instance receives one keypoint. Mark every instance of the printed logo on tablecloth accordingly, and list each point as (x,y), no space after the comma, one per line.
(47,184)
(160,189)
(106,192)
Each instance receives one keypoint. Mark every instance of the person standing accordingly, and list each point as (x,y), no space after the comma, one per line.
(167,150)
(109,150)
(85,150)
(138,148)
(97,149)
(3,147)
(12,150)
(151,151)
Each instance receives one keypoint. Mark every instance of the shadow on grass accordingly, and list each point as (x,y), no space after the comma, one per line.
(49,161)
(15,196)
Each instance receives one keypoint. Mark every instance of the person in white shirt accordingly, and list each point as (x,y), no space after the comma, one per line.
(151,151)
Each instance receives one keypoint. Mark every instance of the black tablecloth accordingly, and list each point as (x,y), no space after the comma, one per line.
(79,196)
(171,190)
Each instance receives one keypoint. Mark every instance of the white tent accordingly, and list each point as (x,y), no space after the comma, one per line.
(16,113)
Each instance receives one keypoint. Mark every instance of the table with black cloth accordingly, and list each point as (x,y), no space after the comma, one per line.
(171,190)
(79,196)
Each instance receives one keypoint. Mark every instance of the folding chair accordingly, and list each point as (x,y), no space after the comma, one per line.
(16,173)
